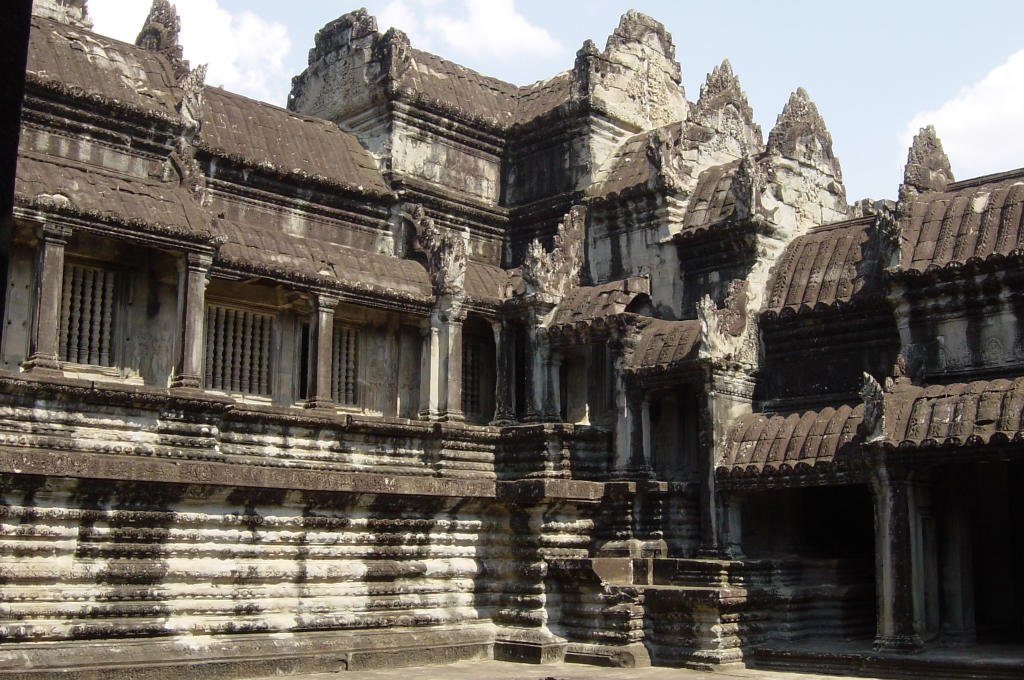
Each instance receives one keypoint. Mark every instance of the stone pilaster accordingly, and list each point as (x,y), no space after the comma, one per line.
(43,350)
(430,360)
(553,393)
(321,341)
(453,371)
(189,372)
(441,363)
(727,396)
(894,589)
(536,358)
(505,384)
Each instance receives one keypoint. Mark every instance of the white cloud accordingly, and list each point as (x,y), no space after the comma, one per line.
(982,127)
(246,53)
(120,19)
(485,28)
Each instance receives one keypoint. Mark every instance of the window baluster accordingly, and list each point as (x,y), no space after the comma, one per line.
(218,375)
(265,357)
(208,358)
(107,318)
(95,318)
(65,312)
(247,355)
(233,351)
(75,323)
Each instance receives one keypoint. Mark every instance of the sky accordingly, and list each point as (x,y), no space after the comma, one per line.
(877,70)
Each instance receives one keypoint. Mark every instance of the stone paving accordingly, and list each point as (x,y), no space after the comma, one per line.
(493,670)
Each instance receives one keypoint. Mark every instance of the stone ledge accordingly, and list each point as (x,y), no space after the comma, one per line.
(249,655)
(134,469)
(536,490)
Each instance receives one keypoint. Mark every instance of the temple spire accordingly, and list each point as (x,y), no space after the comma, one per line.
(160,34)
(723,106)
(800,135)
(928,166)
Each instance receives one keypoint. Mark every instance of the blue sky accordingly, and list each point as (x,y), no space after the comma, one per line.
(876,70)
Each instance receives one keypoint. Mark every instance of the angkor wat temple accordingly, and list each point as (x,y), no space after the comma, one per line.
(431,367)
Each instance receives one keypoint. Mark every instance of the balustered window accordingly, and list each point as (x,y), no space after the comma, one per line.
(344,364)
(88,299)
(238,350)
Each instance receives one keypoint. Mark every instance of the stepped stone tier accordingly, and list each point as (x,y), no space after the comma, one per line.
(429,367)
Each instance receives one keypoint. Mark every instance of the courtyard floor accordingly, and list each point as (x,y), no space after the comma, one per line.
(500,670)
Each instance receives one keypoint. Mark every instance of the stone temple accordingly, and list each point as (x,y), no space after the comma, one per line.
(430,367)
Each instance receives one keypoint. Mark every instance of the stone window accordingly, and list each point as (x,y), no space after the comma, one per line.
(238,349)
(344,364)
(88,300)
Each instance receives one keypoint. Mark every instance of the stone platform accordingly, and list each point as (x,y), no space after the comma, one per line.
(500,670)
(859,660)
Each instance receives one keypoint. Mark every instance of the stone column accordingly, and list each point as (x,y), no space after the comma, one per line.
(321,346)
(727,397)
(43,349)
(505,380)
(453,395)
(430,360)
(189,372)
(894,590)
(553,393)
(536,357)
(630,461)
(637,403)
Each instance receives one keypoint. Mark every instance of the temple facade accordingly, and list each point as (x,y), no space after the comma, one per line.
(429,367)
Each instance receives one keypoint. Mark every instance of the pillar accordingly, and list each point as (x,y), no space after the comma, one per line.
(632,431)
(727,396)
(430,360)
(453,394)
(321,345)
(536,358)
(43,350)
(553,384)
(505,380)
(189,372)
(894,589)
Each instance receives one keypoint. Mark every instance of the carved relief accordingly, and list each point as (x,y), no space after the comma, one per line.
(927,166)
(667,162)
(557,272)
(445,252)
(747,186)
(729,334)
(874,408)
(160,34)
(191,109)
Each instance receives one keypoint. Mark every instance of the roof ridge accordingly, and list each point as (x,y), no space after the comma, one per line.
(985,179)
